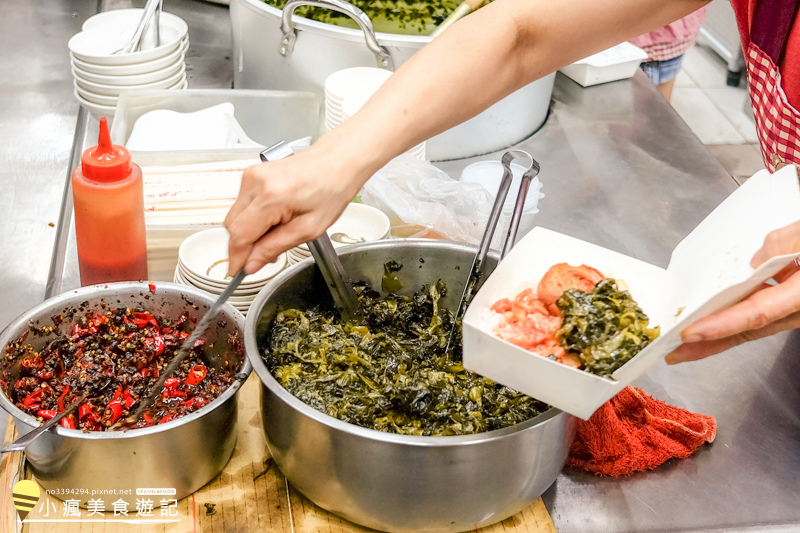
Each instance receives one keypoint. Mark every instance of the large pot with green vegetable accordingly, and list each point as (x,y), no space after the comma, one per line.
(390,481)
(274,48)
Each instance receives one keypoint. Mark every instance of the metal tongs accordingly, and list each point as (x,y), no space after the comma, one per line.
(148,32)
(483,248)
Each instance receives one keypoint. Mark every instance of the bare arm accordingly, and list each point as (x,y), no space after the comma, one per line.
(478,61)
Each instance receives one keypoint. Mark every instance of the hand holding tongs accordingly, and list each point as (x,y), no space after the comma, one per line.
(324,254)
(483,248)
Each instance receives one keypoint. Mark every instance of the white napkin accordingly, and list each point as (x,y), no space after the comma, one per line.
(212,128)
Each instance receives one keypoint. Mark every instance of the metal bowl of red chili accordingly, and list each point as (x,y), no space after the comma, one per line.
(112,341)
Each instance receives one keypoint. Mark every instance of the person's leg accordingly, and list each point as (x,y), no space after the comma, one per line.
(666,88)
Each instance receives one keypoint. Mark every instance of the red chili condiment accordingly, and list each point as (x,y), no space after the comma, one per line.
(128,347)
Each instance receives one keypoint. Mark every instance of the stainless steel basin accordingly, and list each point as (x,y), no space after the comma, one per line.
(183,454)
(399,482)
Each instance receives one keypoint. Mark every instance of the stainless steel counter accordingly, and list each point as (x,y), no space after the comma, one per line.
(619,169)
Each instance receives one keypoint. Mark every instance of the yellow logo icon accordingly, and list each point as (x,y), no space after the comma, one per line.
(25,494)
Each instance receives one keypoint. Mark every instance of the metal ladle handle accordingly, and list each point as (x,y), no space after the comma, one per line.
(344,298)
(362,19)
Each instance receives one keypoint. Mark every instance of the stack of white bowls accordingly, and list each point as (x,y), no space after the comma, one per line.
(358,223)
(347,90)
(203,263)
(100,76)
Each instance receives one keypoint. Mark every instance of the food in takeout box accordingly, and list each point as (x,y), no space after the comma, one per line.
(709,271)
(577,317)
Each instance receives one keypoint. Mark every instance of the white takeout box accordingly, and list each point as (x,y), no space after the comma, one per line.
(708,271)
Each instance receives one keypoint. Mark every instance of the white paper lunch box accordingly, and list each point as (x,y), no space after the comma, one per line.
(708,271)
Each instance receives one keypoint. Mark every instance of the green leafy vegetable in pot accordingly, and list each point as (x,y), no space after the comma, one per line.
(391,373)
(418,17)
(604,326)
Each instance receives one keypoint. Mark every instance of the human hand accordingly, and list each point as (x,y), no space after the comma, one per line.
(284,203)
(766,311)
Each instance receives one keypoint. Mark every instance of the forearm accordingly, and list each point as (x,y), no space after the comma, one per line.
(480,60)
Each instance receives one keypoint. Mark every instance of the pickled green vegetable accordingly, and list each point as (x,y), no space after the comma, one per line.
(604,326)
(418,17)
(391,373)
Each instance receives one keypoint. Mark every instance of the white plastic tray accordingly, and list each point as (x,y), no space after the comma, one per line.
(708,271)
(617,63)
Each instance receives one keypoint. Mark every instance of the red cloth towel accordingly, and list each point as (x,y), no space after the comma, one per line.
(634,432)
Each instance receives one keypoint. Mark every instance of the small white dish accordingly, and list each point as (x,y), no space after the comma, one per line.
(129,70)
(98,111)
(100,82)
(346,82)
(97,45)
(217,288)
(205,254)
(358,221)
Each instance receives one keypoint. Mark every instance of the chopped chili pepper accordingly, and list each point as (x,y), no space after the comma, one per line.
(115,408)
(152,288)
(47,414)
(157,341)
(196,374)
(68,423)
(84,411)
(127,399)
(166,419)
(61,398)
(171,383)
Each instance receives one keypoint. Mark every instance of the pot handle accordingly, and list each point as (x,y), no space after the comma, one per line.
(342,6)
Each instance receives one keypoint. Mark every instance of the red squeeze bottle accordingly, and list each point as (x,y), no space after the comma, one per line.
(109,214)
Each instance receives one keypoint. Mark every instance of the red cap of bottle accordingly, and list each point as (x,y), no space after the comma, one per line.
(105,162)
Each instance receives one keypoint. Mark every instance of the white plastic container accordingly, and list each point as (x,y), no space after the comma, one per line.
(265,116)
(617,63)
(708,271)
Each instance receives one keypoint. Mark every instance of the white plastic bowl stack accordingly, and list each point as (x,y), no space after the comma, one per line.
(203,263)
(100,76)
(359,222)
(347,90)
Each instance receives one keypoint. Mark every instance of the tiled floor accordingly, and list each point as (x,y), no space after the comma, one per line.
(719,115)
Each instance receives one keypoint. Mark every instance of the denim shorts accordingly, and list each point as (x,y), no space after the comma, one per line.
(662,71)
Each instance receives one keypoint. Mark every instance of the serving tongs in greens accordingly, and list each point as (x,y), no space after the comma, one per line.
(491,225)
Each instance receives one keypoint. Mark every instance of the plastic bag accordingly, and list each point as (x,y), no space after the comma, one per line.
(423,201)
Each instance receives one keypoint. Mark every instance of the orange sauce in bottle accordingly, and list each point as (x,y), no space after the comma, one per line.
(109,214)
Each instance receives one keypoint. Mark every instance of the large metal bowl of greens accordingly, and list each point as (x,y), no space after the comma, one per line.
(390,481)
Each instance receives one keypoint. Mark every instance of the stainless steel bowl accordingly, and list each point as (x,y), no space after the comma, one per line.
(399,482)
(183,454)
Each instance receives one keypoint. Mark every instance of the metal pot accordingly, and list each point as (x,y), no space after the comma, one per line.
(183,454)
(399,482)
(274,50)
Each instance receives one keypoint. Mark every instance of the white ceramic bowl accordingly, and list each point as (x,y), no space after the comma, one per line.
(96,46)
(359,221)
(191,279)
(134,69)
(205,254)
(100,82)
(172,78)
(344,83)
(98,111)
(129,19)
(111,101)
